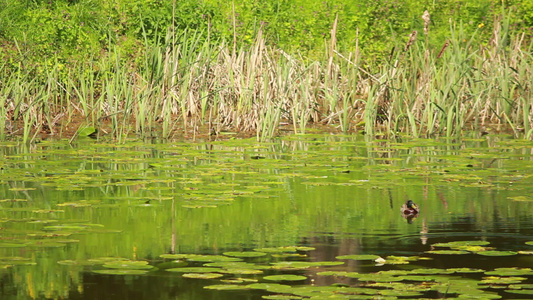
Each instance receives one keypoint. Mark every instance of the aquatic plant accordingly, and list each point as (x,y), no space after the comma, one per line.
(190,83)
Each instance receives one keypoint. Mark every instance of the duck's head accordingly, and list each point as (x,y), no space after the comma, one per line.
(410,204)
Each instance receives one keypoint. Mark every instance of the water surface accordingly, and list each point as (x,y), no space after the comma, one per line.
(67,211)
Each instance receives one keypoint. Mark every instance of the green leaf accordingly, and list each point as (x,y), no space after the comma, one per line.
(86,131)
(288,277)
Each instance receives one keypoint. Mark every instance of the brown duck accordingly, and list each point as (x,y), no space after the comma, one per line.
(410,208)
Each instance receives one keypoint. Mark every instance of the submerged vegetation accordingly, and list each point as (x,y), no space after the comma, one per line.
(193,68)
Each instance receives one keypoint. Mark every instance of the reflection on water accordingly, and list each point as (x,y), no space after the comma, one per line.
(63,207)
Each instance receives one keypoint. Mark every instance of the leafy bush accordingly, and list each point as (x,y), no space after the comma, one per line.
(66,31)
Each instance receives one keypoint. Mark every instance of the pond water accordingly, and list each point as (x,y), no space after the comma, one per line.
(311,216)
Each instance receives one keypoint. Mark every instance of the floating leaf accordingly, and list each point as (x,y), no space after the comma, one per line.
(242,271)
(121,272)
(358,257)
(466,270)
(282,297)
(521,198)
(288,277)
(199,258)
(11,245)
(502,280)
(497,253)
(398,293)
(237,265)
(521,286)
(473,248)
(238,280)
(480,295)
(461,244)
(128,265)
(226,287)
(195,270)
(510,271)
(288,254)
(202,275)
(103,260)
(245,254)
(68,262)
(299,265)
(65,227)
(448,252)
(521,292)
(276,249)
(430,271)
(396,260)
(376,277)
(305,249)
(17,260)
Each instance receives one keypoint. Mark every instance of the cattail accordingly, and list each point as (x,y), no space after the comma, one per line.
(443,48)
(412,39)
(426,19)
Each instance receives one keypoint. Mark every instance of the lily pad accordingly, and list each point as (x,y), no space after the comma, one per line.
(195,270)
(358,257)
(277,249)
(242,271)
(128,265)
(520,292)
(305,249)
(521,286)
(497,253)
(239,280)
(376,277)
(510,272)
(237,265)
(461,244)
(17,260)
(65,227)
(202,275)
(481,295)
(448,252)
(288,277)
(282,297)
(199,258)
(121,272)
(12,245)
(398,293)
(226,287)
(430,271)
(300,265)
(502,280)
(103,260)
(466,270)
(245,254)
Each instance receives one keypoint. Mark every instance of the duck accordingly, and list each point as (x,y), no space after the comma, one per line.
(410,208)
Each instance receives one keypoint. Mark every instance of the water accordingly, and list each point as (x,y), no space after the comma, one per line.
(67,210)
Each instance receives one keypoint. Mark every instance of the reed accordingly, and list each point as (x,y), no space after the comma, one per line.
(190,82)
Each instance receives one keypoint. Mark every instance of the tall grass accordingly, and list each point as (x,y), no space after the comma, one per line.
(190,83)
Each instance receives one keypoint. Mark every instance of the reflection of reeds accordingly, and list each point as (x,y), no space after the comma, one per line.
(187,82)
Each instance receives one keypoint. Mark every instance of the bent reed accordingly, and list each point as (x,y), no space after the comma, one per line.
(189,82)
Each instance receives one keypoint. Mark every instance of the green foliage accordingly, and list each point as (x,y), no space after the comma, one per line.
(83,29)
(255,64)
